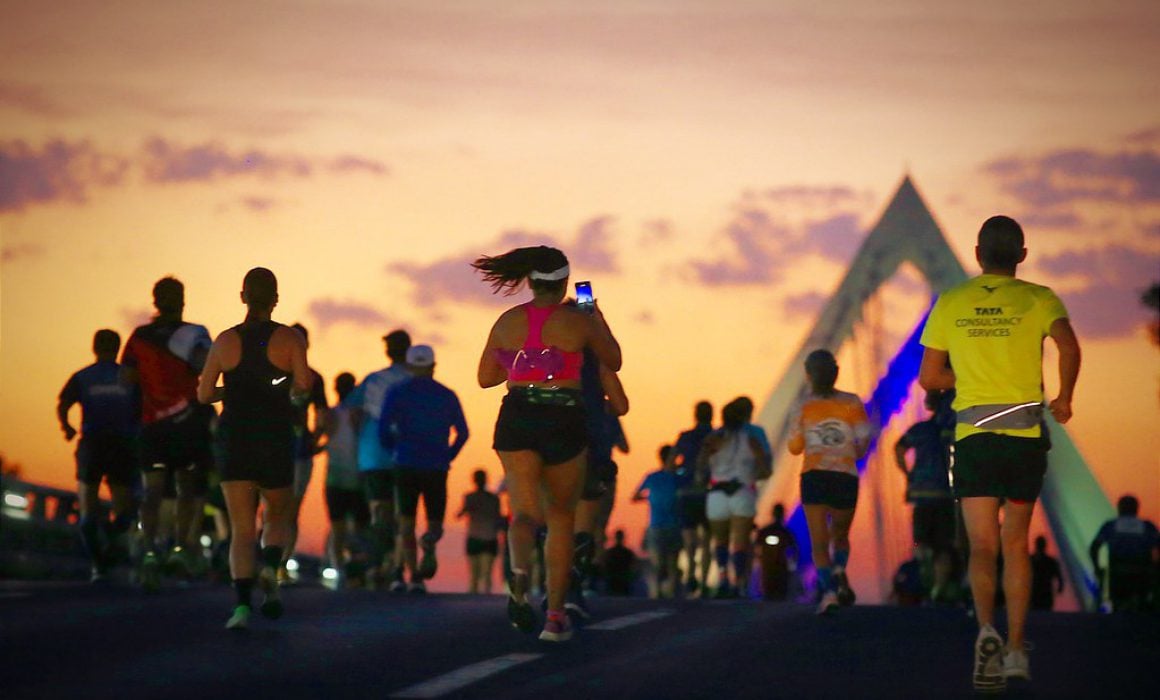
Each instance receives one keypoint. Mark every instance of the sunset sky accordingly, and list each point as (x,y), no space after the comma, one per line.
(710,166)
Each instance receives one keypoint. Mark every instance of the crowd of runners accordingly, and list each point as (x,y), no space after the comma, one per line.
(150,430)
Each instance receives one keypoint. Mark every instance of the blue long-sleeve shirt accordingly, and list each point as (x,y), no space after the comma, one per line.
(416,423)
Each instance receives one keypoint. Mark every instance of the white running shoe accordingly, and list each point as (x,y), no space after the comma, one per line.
(829,603)
(1016,665)
(988,676)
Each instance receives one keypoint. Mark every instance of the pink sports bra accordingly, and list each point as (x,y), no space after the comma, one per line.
(535,362)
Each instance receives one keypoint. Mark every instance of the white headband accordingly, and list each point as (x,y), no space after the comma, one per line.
(558,274)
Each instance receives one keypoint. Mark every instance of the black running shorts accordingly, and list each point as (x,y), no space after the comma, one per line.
(112,457)
(556,431)
(999,466)
(177,442)
(477,546)
(822,487)
(431,484)
(347,503)
(259,453)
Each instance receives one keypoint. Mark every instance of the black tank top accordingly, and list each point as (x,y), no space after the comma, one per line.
(256,391)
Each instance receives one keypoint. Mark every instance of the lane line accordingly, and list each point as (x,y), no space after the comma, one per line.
(619,623)
(463,677)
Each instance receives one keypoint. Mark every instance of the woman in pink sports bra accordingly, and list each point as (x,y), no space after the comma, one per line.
(540,434)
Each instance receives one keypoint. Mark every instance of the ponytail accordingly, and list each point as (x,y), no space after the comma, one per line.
(508,271)
(822,370)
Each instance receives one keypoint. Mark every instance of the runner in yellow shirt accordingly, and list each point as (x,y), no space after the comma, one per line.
(990,329)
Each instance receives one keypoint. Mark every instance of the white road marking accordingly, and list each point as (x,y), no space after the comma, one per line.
(619,623)
(463,677)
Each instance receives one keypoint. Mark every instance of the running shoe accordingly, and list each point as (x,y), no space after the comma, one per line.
(1016,664)
(428,564)
(175,563)
(828,603)
(846,595)
(557,628)
(272,604)
(988,675)
(150,573)
(416,588)
(97,575)
(398,586)
(240,620)
(520,612)
(574,603)
(724,592)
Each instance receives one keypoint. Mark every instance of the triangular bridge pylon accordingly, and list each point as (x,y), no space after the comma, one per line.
(907,233)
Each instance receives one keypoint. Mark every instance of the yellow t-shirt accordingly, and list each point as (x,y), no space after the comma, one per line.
(828,429)
(993,327)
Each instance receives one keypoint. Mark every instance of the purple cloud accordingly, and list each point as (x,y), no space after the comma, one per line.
(804,305)
(771,228)
(164,162)
(1107,305)
(453,279)
(1051,220)
(1073,175)
(329,312)
(259,205)
(58,171)
(353,164)
(827,196)
(835,238)
(656,231)
(592,249)
(20,251)
(1145,137)
(756,238)
(31,99)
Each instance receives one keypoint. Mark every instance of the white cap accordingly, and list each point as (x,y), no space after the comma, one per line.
(420,356)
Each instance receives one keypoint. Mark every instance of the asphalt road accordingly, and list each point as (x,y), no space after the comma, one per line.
(115,642)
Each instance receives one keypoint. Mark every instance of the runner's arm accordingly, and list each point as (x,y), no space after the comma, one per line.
(303,379)
(68,397)
(207,389)
(614,390)
(1069,361)
(935,371)
(491,372)
(602,342)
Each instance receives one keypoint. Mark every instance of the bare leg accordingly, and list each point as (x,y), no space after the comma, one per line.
(562,486)
(486,561)
(242,505)
(523,471)
(819,534)
(1016,568)
(279,516)
(719,533)
(981,516)
(154,482)
(406,545)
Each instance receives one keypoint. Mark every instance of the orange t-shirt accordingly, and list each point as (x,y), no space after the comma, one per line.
(829,430)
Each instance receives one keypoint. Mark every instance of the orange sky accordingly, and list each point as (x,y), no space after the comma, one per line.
(710,166)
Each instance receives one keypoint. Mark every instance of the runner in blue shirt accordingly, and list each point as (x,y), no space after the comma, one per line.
(664,525)
(110,421)
(1132,547)
(375,464)
(416,423)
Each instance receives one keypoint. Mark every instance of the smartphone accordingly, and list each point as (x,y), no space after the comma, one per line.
(584,298)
